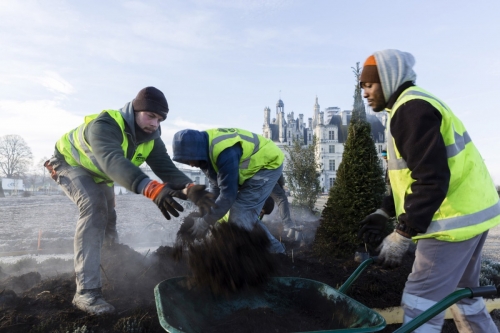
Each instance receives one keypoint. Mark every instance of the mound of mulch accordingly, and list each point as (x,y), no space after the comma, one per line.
(230,259)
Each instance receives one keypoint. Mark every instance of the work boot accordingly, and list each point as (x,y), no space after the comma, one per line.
(92,302)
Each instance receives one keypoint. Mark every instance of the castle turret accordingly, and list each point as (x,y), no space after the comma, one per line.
(267,116)
(316,120)
(280,114)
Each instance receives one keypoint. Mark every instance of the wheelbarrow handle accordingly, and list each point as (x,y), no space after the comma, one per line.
(485,291)
(354,276)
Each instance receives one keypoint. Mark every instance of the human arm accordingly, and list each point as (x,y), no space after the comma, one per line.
(415,128)
(105,138)
(162,165)
(227,182)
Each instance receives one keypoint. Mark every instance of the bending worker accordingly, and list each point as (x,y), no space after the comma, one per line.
(109,147)
(442,194)
(242,168)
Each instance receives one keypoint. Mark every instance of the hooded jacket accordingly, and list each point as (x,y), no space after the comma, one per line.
(416,131)
(105,137)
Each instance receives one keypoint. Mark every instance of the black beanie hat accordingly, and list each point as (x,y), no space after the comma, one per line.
(152,100)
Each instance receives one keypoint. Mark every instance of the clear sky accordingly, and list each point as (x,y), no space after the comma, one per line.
(221,62)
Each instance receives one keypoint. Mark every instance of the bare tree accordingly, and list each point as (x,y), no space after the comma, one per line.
(15,156)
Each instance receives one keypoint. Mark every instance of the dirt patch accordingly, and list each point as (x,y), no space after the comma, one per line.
(129,279)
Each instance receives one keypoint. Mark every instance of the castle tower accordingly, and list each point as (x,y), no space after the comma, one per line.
(267,116)
(280,114)
(316,120)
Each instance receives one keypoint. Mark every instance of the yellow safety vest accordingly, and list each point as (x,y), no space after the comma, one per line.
(77,151)
(258,152)
(471,205)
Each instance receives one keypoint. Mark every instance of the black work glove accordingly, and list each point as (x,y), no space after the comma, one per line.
(373,227)
(201,198)
(162,195)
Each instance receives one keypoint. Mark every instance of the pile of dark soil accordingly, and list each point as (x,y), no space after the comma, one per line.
(231,259)
(129,279)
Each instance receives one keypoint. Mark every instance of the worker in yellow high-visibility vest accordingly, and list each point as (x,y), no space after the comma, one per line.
(242,168)
(442,194)
(109,147)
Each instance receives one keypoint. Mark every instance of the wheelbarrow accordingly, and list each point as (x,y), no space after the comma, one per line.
(182,309)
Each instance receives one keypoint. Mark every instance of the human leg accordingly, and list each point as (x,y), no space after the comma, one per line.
(111,234)
(91,199)
(250,200)
(279,196)
(470,314)
(436,273)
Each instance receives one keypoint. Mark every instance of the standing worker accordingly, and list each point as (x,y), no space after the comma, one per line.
(110,147)
(242,168)
(442,194)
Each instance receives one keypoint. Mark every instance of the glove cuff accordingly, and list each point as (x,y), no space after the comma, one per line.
(405,230)
(152,189)
(380,211)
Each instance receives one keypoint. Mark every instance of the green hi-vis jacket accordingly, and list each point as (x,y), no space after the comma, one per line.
(258,152)
(77,151)
(471,205)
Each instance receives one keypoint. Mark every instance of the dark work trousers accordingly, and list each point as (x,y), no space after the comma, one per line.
(96,206)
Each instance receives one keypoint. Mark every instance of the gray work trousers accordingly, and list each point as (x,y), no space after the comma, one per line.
(279,196)
(439,269)
(251,197)
(96,206)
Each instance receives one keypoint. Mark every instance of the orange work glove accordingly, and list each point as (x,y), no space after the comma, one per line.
(162,195)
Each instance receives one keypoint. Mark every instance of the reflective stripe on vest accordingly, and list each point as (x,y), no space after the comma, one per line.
(79,131)
(253,140)
(454,220)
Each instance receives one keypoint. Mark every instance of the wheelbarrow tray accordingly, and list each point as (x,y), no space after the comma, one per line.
(185,309)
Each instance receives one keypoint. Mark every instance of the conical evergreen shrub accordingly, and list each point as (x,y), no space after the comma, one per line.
(358,189)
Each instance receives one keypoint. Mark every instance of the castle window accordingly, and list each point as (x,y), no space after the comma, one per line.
(331,149)
(331,135)
(332,165)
